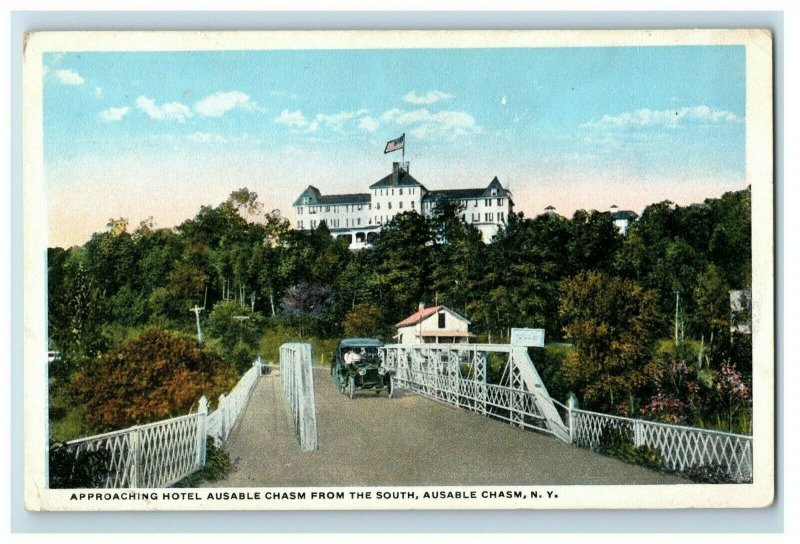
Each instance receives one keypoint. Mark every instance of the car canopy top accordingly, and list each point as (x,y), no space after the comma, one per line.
(360,343)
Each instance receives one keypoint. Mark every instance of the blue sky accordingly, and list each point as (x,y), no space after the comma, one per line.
(159,134)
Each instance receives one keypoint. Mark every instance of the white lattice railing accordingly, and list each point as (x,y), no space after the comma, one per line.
(162,453)
(298,391)
(221,421)
(457,374)
(681,448)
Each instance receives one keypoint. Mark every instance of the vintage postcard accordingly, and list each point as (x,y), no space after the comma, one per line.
(398,270)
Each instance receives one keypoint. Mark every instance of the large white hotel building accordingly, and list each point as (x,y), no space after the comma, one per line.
(359,217)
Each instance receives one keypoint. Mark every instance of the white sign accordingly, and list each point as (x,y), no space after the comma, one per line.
(532,338)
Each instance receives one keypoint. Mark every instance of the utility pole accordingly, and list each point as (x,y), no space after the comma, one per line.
(197,309)
(677,302)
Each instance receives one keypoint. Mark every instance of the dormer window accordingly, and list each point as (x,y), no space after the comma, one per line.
(305,200)
(494,192)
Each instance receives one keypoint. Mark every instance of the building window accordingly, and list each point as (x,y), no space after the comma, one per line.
(390,205)
(401,191)
(499,201)
(300,210)
(413,205)
(359,207)
(494,192)
(358,221)
(401,204)
(377,205)
(476,202)
(487,202)
(327,208)
(441,320)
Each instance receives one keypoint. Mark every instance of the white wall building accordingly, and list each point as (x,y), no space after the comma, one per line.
(436,325)
(358,217)
(622,218)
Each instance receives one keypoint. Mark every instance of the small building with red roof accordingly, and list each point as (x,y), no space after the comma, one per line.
(434,325)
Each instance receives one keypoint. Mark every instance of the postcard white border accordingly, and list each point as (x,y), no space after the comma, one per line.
(759,173)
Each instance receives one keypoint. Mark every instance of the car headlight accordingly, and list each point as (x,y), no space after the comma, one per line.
(382,371)
(362,371)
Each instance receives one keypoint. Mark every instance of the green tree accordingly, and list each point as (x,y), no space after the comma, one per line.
(363,320)
(612,323)
(232,324)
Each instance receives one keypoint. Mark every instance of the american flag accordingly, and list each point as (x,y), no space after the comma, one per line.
(394,145)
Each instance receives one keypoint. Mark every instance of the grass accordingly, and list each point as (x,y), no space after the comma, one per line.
(270,344)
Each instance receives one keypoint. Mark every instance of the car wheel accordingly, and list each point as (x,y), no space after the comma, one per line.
(391,387)
(352,387)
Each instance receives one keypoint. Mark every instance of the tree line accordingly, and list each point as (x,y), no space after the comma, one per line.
(644,318)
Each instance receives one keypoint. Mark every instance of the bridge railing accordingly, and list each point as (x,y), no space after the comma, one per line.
(298,391)
(161,453)
(681,448)
(458,374)
(230,406)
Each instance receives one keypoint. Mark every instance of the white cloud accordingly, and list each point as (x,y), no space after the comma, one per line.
(69,77)
(503,101)
(368,123)
(205,137)
(664,118)
(218,104)
(292,119)
(442,124)
(112,114)
(173,111)
(336,121)
(428,98)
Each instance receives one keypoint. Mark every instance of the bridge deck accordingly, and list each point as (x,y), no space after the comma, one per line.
(407,440)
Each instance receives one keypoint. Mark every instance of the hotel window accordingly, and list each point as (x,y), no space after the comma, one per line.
(327,208)
(413,205)
(487,202)
(401,191)
(359,207)
(377,205)
(369,207)
(501,216)
(401,205)
(300,210)
(494,192)
(476,202)
(390,205)
(392,192)
(358,221)
(499,201)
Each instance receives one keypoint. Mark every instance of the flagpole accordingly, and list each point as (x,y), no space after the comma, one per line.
(404,150)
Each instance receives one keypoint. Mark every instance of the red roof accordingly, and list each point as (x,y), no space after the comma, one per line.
(413,319)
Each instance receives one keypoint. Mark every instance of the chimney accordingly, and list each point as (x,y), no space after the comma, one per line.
(395,172)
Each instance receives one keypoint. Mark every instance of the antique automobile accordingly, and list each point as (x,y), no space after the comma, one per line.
(357,364)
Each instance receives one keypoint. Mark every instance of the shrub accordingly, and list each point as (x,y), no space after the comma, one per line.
(618,442)
(155,375)
(88,470)
(218,465)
